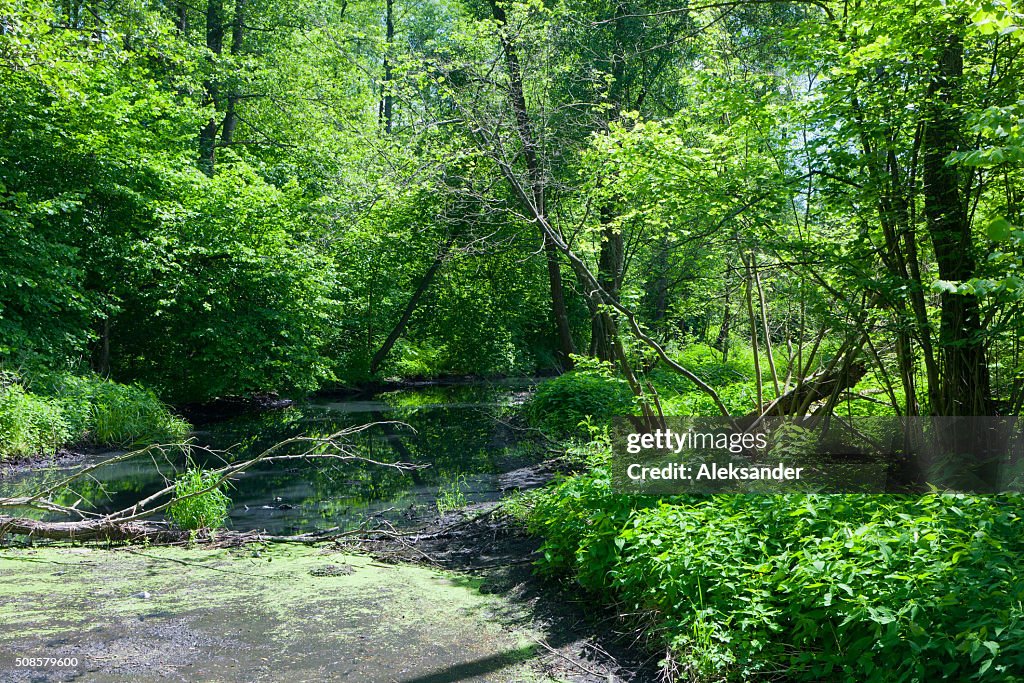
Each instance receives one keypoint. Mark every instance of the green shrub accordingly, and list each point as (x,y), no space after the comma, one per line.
(64,410)
(199,501)
(707,363)
(29,424)
(559,405)
(416,360)
(107,413)
(125,415)
(518,506)
(451,494)
(848,588)
(733,380)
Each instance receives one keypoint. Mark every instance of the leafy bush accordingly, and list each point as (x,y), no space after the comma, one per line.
(451,495)
(199,501)
(707,363)
(416,360)
(852,588)
(734,381)
(591,390)
(29,424)
(740,398)
(237,301)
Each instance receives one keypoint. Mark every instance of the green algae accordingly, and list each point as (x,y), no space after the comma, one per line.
(149,611)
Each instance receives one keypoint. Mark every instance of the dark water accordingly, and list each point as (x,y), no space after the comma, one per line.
(461,432)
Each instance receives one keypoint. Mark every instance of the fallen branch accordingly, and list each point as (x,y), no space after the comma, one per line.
(91,530)
(130,524)
(815,388)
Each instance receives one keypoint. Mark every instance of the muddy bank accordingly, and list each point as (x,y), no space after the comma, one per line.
(65,457)
(218,410)
(243,612)
(395,384)
(583,642)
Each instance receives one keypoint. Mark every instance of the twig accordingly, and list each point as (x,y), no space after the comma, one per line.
(569,659)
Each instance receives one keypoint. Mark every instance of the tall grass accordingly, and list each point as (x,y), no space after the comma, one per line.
(199,501)
(30,424)
(63,410)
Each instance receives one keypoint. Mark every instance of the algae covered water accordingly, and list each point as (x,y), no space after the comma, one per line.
(245,615)
(462,433)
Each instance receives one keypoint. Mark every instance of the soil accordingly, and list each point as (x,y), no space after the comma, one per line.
(65,457)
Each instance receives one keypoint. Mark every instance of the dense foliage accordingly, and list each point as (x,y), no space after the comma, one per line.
(742,207)
(589,393)
(853,588)
(235,198)
(62,410)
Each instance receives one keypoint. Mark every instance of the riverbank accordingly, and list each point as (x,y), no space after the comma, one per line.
(49,414)
(490,542)
(127,596)
(60,419)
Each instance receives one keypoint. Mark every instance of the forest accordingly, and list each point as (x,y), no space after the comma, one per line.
(740,209)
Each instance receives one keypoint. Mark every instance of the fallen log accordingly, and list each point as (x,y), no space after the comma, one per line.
(156,533)
(91,530)
(814,389)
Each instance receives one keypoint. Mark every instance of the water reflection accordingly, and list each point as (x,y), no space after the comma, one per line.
(456,430)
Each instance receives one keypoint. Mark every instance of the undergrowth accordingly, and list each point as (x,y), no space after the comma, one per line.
(812,587)
(451,495)
(199,501)
(591,390)
(56,411)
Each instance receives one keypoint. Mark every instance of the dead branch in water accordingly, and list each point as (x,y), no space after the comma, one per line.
(132,523)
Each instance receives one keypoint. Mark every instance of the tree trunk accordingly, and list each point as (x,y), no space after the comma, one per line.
(237,38)
(387,101)
(817,388)
(755,346)
(722,341)
(559,310)
(104,368)
(214,43)
(181,22)
(763,306)
(965,388)
(609,275)
(612,256)
(410,308)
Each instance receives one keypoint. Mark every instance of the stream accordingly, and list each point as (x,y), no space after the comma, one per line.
(461,432)
(299,612)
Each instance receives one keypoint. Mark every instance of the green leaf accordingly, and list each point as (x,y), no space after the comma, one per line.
(999,230)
